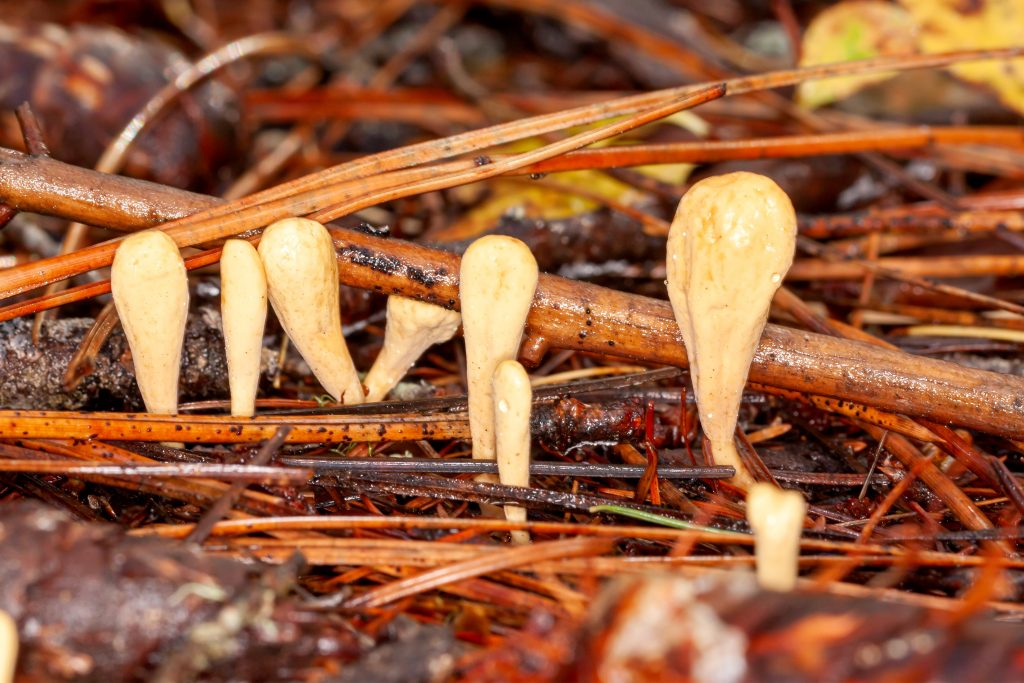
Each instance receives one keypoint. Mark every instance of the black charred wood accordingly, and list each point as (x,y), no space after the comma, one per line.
(31,376)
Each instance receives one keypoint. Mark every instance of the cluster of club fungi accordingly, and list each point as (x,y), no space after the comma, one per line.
(730,245)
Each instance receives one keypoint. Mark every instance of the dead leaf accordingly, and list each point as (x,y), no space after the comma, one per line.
(538,201)
(554,199)
(947,25)
(850,31)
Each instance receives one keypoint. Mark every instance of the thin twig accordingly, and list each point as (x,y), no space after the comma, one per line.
(217,511)
(322,465)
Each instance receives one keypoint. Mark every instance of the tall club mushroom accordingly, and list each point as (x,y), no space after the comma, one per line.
(302,281)
(8,647)
(243,309)
(497,281)
(512,399)
(412,327)
(777,519)
(729,247)
(150,288)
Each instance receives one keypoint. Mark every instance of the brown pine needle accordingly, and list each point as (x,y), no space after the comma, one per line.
(507,558)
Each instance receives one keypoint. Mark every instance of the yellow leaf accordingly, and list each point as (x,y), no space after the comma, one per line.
(537,201)
(850,31)
(555,200)
(948,25)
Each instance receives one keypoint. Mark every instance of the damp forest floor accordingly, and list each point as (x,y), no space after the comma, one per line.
(327,542)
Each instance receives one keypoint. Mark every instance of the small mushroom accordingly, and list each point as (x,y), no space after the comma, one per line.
(497,281)
(729,247)
(777,518)
(302,281)
(512,399)
(412,327)
(8,647)
(243,309)
(150,288)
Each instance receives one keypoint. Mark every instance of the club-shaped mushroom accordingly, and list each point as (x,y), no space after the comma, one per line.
(777,519)
(243,310)
(729,247)
(150,288)
(8,647)
(512,399)
(412,327)
(497,281)
(302,281)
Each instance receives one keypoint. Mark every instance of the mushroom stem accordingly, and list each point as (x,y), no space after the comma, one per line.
(302,281)
(729,247)
(497,281)
(412,327)
(8,647)
(512,400)
(150,288)
(243,306)
(777,519)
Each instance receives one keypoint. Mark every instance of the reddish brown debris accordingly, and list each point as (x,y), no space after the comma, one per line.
(86,82)
(720,628)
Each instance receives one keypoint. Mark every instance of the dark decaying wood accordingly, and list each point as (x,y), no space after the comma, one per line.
(720,627)
(732,630)
(32,376)
(93,604)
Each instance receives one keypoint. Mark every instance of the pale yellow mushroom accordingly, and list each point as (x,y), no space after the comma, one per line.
(729,247)
(243,310)
(150,288)
(412,327)
(8,647)
(302,281)
(512,399)
(777,519)
(497,281)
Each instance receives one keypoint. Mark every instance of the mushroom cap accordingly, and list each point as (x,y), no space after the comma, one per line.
(412,327)
(412,319)
(497,282)
(732,234)
(730,245)
(243,298)
(302,281)
(513,399)
(149,284)
(777,518)
(769,507)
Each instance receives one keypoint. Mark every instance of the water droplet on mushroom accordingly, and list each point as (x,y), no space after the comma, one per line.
(503,406)
(776,277)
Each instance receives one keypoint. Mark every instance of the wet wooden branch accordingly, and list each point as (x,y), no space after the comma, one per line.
(577,315)
(47,186)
